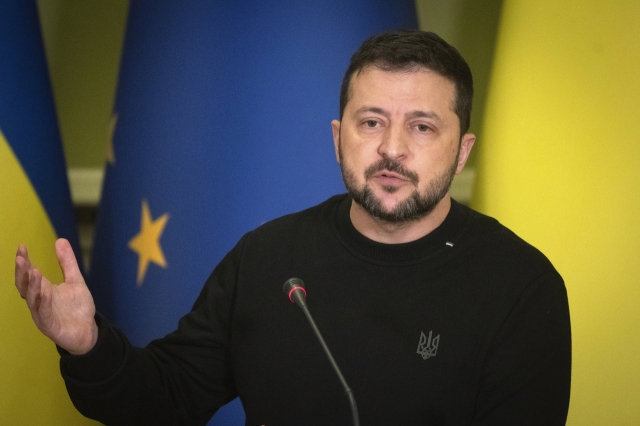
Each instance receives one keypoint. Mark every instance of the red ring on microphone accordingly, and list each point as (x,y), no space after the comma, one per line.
(297,288)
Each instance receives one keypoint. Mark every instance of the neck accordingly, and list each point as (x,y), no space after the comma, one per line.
(397,233)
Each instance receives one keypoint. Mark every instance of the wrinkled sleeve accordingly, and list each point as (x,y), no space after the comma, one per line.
(527,376)
(180,379)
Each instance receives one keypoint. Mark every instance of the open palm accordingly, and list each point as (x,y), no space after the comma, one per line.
(64,313)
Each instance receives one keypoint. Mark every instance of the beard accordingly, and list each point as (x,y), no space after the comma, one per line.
(416,206)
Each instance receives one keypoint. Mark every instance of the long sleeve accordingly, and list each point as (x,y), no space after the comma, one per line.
(527,375)
(180,379)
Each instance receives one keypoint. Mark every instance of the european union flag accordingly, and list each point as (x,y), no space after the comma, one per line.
(221,123)
(35,209)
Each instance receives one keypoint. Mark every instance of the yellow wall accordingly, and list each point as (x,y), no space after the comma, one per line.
(83,40)
(560,165)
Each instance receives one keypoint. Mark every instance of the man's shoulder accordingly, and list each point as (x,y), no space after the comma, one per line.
(490,238)
(310,218)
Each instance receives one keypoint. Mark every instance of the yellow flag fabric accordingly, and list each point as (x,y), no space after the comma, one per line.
(559,164)
(31,389)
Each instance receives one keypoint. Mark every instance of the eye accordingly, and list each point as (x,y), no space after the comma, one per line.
(423,128)
(371,123)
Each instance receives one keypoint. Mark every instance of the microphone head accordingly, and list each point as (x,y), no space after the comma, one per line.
(291,286)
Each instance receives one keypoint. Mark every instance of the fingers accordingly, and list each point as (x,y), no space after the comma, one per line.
(22,270)
(68,262)
(39,301)
(44,307)
(33,291)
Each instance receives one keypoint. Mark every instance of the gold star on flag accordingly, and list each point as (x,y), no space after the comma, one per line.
(147,242)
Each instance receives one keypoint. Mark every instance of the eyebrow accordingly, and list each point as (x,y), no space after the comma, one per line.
(371,109)
(423,114)
(412,114)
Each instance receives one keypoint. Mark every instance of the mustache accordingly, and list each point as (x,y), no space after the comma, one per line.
(392,166)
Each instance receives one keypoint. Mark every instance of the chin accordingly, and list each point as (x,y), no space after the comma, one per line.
(389,206)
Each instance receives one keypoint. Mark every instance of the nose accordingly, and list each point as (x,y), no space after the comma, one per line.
(394,143)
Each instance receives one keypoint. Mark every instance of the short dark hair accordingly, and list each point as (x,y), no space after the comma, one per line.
(404,50)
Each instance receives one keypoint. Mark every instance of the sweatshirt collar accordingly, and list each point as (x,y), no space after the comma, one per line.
(442,238)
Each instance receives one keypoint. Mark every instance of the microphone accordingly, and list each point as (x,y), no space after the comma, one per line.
(294,289)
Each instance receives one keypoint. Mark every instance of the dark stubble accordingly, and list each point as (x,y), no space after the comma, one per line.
(415,207)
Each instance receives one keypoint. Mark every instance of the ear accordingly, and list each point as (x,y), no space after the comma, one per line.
(465,149)
(335,129)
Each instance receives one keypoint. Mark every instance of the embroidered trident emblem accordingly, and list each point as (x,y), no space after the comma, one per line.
(428,347)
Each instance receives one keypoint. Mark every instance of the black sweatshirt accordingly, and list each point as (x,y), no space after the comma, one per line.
(468,325)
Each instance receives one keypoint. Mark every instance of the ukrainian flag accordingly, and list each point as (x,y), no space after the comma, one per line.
(35,209)
(560,165)
(221,122)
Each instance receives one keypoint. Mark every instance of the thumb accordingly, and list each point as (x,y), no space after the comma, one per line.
(68,262)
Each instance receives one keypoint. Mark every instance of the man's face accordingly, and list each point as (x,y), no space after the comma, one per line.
(399,143)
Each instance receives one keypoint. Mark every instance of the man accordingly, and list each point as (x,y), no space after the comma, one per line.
(436,314)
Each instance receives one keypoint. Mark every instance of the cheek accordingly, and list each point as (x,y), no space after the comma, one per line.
(433,164)
(355,154)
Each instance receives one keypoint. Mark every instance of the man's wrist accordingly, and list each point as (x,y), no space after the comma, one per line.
(101,361)
(91,341)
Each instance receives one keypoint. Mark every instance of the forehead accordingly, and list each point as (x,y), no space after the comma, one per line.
(415,85)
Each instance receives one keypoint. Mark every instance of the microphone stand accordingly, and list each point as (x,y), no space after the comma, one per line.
(294,287)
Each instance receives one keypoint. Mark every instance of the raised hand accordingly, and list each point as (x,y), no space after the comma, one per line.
(64,313)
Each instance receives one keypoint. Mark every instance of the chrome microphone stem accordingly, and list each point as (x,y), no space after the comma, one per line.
(299,300)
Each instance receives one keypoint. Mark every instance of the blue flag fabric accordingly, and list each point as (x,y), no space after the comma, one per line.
(27,114)
(221,123)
